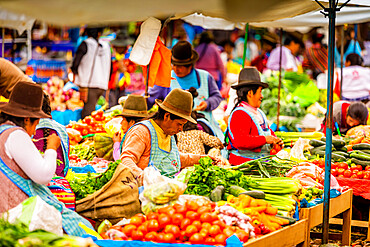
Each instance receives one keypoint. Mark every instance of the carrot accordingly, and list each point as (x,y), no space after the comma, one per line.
(245,200)
(262,203)
(278,220)
(271,210)
(259,209)
(253,203)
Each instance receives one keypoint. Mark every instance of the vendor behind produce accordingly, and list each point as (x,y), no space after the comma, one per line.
(249,134)
(47,127)
(23,171)
(152,141)
(348,115)
(134,110)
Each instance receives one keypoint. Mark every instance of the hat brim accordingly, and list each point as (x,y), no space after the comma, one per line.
(161,105)
(132,115)
(244,84)
(194,58)
(18,112)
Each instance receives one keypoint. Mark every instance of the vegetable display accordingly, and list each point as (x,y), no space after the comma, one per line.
(191,223)
(18,235)
(89,184)
(83,151)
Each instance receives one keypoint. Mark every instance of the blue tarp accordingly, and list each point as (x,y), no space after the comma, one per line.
(64,117)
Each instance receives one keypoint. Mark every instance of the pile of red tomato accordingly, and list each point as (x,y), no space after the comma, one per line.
(342,169)
(189,223)
(90,124)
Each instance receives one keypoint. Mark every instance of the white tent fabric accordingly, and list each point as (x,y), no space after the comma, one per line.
(213,23)
(74,13)
(347,15)
(15,21)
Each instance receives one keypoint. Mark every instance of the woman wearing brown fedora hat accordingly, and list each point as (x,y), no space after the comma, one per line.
(152,141)
(248,132)
(23,171)
(134,110)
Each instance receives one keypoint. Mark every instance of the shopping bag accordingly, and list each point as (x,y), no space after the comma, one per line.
(60,187)
(36,214)
(117,199)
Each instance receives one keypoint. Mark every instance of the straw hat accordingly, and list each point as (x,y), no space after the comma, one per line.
(183,54)
(249,76)
(178,102)
(135,106)
(25,101)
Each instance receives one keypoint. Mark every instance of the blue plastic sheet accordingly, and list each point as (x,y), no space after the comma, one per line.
(232,241)
(85,169)
(64,117)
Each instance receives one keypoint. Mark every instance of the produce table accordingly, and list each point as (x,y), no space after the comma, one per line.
(288,236)
(360,187)
(340,204)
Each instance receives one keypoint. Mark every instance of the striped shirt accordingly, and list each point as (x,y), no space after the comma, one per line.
(316,58)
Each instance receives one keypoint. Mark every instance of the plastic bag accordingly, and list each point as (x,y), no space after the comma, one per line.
(113,126)
(36,214)
(297,151)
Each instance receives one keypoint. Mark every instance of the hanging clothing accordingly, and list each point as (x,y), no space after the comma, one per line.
(16,182)
(247,134)
(288,60)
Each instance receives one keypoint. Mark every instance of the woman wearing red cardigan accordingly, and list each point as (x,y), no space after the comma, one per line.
(249,135)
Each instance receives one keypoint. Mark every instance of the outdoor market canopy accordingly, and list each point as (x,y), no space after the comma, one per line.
(74,13)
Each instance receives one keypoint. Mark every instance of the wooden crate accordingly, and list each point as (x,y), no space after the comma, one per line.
(340,204)
(285,237)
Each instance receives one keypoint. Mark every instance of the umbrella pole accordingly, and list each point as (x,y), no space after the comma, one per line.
(3,42)
(147,81)
(341,59)
(279,87)
(245,43)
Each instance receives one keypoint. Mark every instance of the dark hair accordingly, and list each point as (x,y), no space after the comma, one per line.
(135,119)
(317,38)
(19,121)
(227,42)
(189,125)
(291,38)
(205,38)
(243,92)
(354,59)
(358,111)
(93,32)
(159,115)
(46,109)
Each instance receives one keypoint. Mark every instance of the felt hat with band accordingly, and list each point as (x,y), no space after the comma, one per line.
(25,101)
(249,76)
(183,54)
(178,102)
(134,106)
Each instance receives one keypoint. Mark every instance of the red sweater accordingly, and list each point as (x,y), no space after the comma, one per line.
(245,136)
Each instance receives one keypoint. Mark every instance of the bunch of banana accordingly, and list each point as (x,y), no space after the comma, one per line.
(162,194)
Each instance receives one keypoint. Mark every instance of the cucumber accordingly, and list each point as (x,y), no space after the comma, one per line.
(342,149)
(256,194)
(338,158)
(364,151)
(359,156)
(236,190)
(225,196)
(336,142)
(342,153)
(361,146)
(321,148)
(291,220)
(316,143)
(360,162)
(320,153)
(217,193)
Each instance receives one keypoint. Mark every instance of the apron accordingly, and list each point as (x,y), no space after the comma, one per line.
(168,163)
(203,94)
(70,219)
(263,130)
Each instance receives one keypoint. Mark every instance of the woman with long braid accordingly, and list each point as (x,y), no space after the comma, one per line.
(48,126)
(249,134)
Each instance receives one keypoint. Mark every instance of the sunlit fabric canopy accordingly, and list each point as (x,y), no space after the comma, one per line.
(18,22)
(77,12)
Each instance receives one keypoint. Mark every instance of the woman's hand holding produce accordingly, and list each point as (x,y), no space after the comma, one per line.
(53,142)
